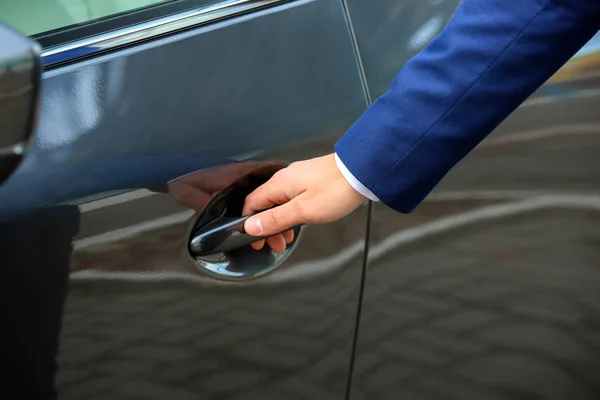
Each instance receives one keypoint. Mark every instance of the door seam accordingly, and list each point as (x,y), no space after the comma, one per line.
(357,56)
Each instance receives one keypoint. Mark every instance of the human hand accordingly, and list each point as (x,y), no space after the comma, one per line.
(306,192)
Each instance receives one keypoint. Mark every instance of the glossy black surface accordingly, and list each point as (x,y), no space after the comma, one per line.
(129,150)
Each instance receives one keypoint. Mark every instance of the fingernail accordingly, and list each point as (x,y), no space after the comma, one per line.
(254,226)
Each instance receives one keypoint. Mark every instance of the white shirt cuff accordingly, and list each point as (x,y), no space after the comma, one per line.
(359,187)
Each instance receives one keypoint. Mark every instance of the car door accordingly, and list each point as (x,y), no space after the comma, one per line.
(156,119)
(489,290)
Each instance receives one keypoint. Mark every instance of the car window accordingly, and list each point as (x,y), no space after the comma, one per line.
(32,17)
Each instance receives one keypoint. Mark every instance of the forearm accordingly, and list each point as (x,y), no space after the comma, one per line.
(487,61)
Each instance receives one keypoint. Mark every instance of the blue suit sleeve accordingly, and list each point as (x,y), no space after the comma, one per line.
(490,57)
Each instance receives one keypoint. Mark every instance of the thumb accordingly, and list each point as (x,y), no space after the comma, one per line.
(274,220)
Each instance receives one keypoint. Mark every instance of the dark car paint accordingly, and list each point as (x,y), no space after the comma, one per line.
(488,290)
(131,314)
(491,288)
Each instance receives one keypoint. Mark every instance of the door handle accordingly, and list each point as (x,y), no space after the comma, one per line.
(223,235)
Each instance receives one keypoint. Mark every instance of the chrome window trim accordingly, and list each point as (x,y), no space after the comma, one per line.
(149,29)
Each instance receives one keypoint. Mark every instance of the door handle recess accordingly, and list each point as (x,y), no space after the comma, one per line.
(218,244)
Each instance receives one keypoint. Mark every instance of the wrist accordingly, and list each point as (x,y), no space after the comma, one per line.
(352,181)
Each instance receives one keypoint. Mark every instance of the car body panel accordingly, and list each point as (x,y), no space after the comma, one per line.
(100,286)
(389,33)
(489,290)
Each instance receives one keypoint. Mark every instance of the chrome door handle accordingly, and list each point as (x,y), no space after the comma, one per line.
(222,235)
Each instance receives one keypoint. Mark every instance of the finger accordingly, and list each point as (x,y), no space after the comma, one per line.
(288,236)
(274,220)
(276,243)
(258,245)
(267,195)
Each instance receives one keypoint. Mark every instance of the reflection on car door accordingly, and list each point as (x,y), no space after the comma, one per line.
(100,289)
(489,290)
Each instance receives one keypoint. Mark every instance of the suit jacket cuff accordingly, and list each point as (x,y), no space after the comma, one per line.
(355,183)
